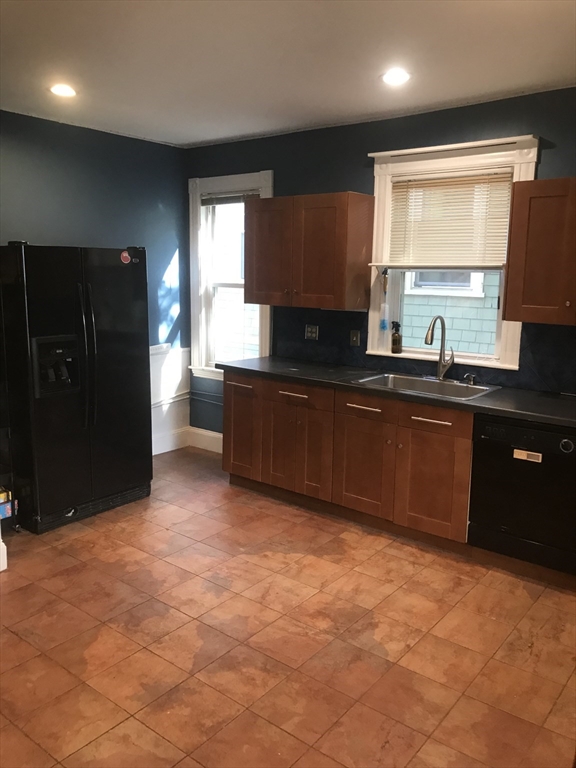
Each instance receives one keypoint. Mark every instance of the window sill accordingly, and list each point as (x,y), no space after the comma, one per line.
(207,373)
(483,362)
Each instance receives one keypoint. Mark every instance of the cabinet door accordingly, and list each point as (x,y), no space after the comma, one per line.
(364,460)
(432,482)
(241,446)
(541,269)
(279,444)
(268,251)
(319,251)
(314,443)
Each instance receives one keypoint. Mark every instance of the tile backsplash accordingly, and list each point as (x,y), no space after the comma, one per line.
(547,352)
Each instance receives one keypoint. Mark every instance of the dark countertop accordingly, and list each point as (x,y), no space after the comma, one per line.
(542,407)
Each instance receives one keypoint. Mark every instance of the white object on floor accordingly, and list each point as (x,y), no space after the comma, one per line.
(3,555)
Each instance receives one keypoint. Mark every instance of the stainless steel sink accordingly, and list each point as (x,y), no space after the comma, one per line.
(455,390)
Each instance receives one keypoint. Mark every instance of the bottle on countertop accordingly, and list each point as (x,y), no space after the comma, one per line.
(396,338)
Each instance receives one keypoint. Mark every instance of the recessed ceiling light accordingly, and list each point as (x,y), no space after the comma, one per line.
(63,90)
(396,76)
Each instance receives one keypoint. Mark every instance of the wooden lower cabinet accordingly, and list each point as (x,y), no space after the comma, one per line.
(415,471)
(432,482)
(364,464)
(297,448)
(242,438)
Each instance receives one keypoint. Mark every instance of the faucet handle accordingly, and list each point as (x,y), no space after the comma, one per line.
(470,378)
(450,360)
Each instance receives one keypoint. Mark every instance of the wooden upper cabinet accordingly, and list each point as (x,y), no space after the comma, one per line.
(541,268)
(320,257)
(268,251)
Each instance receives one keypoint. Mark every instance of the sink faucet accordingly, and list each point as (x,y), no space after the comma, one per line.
(443,364)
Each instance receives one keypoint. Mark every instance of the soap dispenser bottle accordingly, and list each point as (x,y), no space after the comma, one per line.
(396,338)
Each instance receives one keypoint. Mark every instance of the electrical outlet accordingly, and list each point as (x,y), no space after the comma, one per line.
(311,333)
(354,338)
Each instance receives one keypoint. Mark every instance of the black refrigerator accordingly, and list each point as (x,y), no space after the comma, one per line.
(77,356)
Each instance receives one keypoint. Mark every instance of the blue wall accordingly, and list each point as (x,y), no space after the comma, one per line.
(62,185)
(335,159)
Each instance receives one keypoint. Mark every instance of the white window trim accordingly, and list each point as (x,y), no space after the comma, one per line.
(261,182)
(519,154)
(474,291)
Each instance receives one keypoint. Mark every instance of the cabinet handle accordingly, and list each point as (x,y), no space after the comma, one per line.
(432,421)
(388,442)
(294,291)
(400,445)
(568,303)
(364,408)
(292,394)
(286,290)
(236,384)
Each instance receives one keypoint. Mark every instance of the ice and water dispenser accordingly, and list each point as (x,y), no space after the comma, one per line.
(56,365)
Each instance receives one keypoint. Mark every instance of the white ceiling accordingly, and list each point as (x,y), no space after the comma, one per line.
(200,71)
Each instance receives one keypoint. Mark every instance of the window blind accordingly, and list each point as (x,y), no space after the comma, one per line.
(227,199)
(450,222)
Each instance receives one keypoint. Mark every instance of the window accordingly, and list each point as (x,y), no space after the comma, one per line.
(441,232)
(223,327)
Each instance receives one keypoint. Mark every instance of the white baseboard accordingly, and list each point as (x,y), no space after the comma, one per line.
(170,441)
(180,438)
(204,438)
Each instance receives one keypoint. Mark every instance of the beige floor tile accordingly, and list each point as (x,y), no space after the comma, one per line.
(32,684)
(383,636)
(440,585)
(489,735)
(236,574)
(240,617)
(197,558)
(436,755)
(327,613)
(360,589)
(411,699)
(550,750)
(501,606)
(515,691)
(136,681)
(14,650)
(445,662)
(364,737)
(562,718)
(189,714)
(244,674)
(479,633)
(193,646)
(93,651)
(74,719)
(346,668)
(314,759)
(54,625)
(250,742)
(148,621)
(195,596)
(314,571)
(538,655)
(289,641)
(157,577)
(24,602)
(551,624)
(303,707)
(18,751)
(280,593)
(413,609)
(389,568)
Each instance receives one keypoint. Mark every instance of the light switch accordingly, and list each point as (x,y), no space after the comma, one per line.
(354,338)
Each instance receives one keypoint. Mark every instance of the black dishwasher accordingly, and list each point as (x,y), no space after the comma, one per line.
(523,492)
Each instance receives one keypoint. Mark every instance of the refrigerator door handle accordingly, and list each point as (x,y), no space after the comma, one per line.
(86,365)
(94,353)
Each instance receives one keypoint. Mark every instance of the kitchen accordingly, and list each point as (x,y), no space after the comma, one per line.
(333,547)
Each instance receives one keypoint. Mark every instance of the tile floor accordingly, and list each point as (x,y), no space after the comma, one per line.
(208,626)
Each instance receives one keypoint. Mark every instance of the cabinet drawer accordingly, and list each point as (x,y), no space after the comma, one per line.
(248,385)
(367,406)
(431,418)
(318,398)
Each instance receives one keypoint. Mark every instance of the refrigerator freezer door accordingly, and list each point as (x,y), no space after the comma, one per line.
(58,424)
(120,416)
